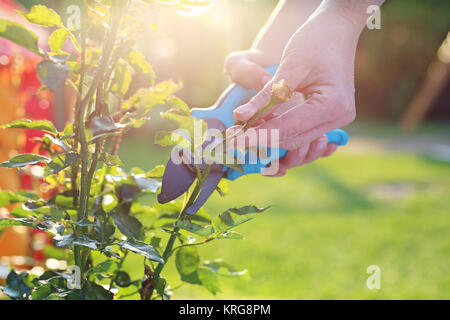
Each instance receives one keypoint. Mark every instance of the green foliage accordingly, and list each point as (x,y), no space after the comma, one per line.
(17,33)
(95,214)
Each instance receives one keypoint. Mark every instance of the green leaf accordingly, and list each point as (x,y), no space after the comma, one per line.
(128,192)
(43,16)
(203,231)
(128,225)
(178,105)
(72,240)
(123,279)
(146,184)
(102,124)
(156,95)
(161,286)
(234,217)
(84,223)
(168,139)
(230,235)
(7,222)
(141,248)
(53,75)
(16,287)
(109,202)
(138,62)
(42,125)
(93,291)
(191,124)
(57,39)
(42,292)
(156,172)
(204,277)
(60,162)
(222,268)
(8,197)
(20,35)
(108,266)
(187,260)
(121,79)
(110,160)
(24,159)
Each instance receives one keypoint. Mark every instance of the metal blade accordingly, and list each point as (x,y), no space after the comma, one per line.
(176,180)
(208,188)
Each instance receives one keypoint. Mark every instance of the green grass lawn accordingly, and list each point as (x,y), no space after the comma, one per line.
(329,221)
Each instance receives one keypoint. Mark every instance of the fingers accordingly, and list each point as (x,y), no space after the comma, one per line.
(305,122)
(301,156)
(246,72)
(246,111)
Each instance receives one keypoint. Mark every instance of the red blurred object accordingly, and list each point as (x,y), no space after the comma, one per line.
(20,82)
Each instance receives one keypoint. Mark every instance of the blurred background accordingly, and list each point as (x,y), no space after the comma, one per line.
(382,200)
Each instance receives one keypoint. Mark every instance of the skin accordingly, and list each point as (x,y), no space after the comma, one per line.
(316,44)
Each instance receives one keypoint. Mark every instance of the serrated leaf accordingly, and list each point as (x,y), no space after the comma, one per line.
(222,268)
(15,286)
(53,75)
(128,225)
(22,160)
(84,223)
(60,162)
(57,39)
(178,105)
(109,202)
(168,139)
(204,277)
(187,260)
(138,62)
(203,231)
(141,248)
(43,125)
(234,217)
(43,16)
(110,160)
(108,266)
(102,124)
(157,95)
(156,172)
(230,235)
(20,35)
(72,240)
(121,79)
(93,291)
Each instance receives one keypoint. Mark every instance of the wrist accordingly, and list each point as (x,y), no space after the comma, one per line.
(353,12)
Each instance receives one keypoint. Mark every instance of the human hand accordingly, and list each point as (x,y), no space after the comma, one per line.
(318,61)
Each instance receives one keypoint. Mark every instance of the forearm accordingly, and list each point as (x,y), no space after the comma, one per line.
(287,17)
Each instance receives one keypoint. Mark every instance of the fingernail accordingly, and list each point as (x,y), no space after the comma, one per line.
(266,79)
(243,109)
(323,142)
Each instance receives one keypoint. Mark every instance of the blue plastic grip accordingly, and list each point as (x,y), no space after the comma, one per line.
(232,98)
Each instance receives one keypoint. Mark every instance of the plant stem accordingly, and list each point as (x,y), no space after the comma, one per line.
(168,250)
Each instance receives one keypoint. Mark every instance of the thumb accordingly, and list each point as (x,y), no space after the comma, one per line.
(247,73)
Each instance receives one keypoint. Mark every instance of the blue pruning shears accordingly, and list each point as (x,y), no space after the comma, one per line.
(179,177)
